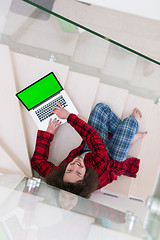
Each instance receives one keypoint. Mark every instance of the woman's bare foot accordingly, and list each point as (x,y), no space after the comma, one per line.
(138,136)
(137,114)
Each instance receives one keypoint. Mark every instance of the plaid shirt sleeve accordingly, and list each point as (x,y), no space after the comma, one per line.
(40,156)
(129,167)
(88,134)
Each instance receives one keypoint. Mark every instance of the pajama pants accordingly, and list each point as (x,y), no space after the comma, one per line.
(104,120)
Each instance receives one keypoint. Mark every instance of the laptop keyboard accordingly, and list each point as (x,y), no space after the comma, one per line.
(45,111)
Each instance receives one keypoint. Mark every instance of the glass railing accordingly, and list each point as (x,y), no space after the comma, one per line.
(93,18)
(43,31)
(35,210)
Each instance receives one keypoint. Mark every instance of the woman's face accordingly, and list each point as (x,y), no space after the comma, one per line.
(75,170)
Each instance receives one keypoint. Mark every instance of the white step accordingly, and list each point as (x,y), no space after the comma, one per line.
(91,50)
(34,33)
(7,164)
(112,96)
(12,131)
(116,63)
(145,105)
(143,185)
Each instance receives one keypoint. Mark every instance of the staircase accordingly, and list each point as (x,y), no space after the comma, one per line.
(18,131)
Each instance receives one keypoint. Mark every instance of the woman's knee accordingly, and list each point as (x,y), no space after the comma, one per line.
(102,106)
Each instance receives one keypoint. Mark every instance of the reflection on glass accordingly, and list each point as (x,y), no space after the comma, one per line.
(72,202)
(81,20)
(51,213)
(27,30)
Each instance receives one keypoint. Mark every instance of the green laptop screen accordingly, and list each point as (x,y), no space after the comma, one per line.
(39,91)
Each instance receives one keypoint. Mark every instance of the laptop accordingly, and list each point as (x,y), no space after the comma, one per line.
(42,96)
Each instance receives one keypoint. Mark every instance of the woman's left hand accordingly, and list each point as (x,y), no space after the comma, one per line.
(53,125)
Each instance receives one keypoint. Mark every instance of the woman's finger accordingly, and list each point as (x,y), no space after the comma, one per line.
(58,124)
(54,120)
(50,121)
(54,109)
(59,105)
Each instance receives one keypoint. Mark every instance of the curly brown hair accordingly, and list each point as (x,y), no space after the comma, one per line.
(83,188)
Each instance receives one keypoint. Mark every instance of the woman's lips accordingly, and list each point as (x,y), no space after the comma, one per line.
(79,161)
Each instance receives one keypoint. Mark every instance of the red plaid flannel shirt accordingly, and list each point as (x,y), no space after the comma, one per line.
(106,168)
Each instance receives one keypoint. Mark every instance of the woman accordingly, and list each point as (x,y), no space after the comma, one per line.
(99,159)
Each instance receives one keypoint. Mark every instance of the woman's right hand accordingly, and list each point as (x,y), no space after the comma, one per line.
(61,112)
(53,125)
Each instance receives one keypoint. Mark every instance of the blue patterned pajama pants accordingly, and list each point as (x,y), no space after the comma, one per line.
(104,120)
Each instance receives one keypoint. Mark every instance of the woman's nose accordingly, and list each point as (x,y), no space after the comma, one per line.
(75,166)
